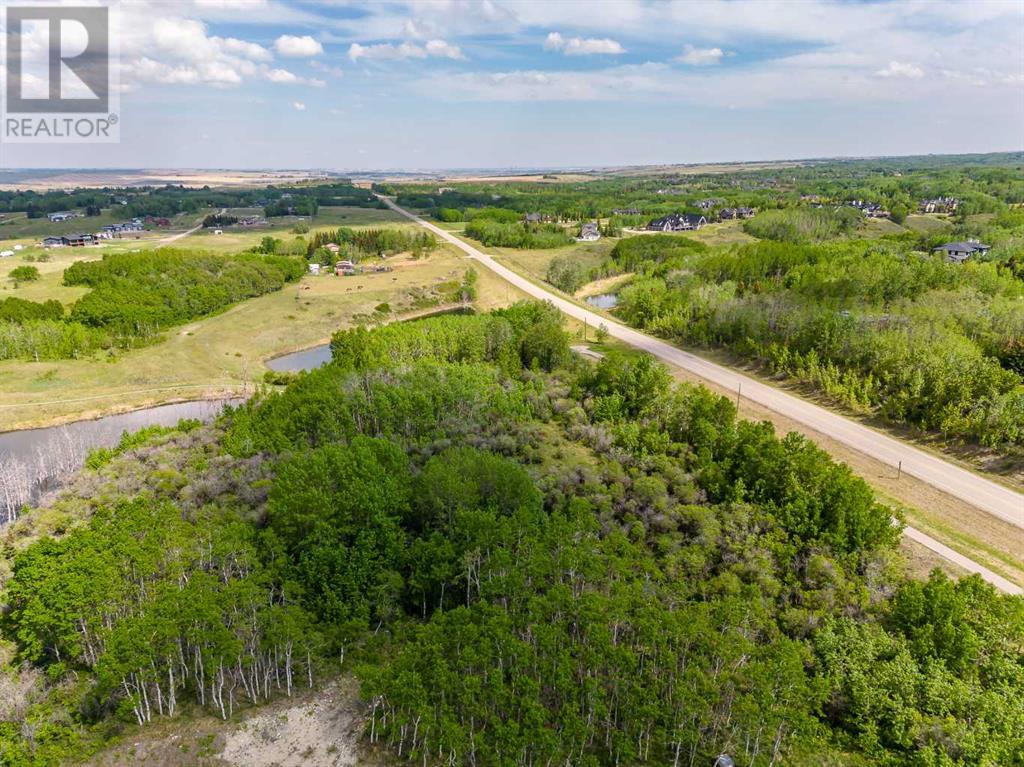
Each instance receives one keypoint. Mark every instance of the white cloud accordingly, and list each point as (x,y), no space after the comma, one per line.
(298,47)
(900,69)
(245,49)
(299,106)
(578,46)
(437,48)
(327,69)
(699,57)
(282,76)
(443,49)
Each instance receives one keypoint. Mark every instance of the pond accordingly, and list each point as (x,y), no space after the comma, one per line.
(33,460)
(307,359)
(603,301)
(316,356)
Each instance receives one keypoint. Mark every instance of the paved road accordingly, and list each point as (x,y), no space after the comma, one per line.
(1000,501)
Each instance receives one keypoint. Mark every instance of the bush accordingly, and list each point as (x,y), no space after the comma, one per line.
(24,274)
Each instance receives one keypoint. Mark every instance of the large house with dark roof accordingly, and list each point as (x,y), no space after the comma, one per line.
(677,222)
(728,213)
(958,252)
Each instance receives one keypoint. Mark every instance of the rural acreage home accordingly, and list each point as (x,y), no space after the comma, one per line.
(677,222)
(958,252)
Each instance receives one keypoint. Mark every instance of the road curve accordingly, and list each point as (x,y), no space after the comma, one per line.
(984,494)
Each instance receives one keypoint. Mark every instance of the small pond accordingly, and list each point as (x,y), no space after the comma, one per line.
(603,301)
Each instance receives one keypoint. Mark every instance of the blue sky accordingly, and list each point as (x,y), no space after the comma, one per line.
(529,83)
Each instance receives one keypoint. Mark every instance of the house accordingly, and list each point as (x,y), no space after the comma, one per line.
(78,240)
(958,252)
(869,209)
(64,215)
(625,212)
(677,222)
(111,231)
(731,213)
(333,247)
(589,232)
(314,268)
(6,253)
(535,218)
(344,268)
(708,204)
(939,205)
(18,247)
(218,231)
(53,242)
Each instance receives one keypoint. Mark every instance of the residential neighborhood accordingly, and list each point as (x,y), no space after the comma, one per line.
(939,205)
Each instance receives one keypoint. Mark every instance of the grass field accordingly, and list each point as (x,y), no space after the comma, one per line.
(724,233)
(535,262)
(927,223)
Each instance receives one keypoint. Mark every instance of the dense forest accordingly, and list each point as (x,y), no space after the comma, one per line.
(982,184)
(523,557)
(133,296)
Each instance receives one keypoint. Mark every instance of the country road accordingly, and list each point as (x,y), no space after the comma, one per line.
(180,235)
(984,494)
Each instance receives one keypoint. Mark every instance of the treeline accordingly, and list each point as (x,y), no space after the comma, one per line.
(20,311)
(362,243)
(878,327)
(141,293)
(133,297)
(218,219)
(292,205)
(517,235)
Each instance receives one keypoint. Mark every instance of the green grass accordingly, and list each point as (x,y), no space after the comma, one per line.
(926,223)
(724,233)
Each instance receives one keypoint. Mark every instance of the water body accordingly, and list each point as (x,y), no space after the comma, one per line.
(34,460)
(603,301)
(307,359)
(316,356)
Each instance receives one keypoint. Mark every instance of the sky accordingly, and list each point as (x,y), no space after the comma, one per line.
(442,84)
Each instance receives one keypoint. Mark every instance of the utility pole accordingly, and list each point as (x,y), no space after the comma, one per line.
(739,392)
(899,470)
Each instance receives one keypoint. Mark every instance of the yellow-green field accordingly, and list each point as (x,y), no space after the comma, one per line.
(723,233)
(535,262)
